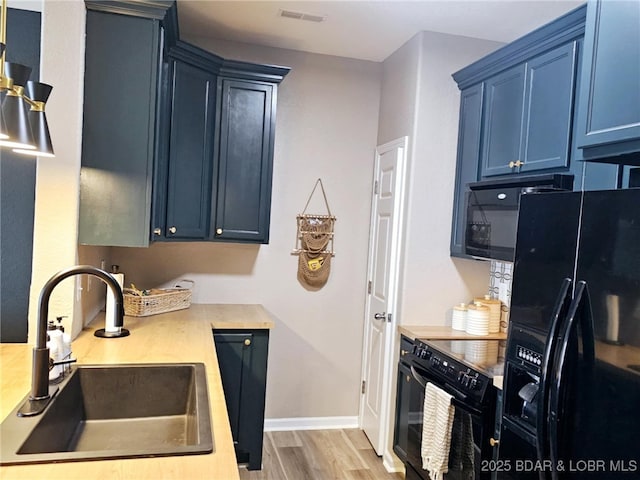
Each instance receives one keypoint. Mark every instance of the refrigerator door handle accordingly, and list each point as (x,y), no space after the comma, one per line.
(559,312)
(580,307)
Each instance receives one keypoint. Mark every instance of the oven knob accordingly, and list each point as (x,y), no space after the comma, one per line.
(423,353)
(474,384)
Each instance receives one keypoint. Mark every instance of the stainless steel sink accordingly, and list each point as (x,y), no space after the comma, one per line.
(115,411)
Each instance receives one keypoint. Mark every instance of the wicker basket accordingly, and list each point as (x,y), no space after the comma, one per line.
(158,301)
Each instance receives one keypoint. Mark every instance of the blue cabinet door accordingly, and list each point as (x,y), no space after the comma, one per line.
(121,80)
(242,357)
(549,94)
(589,175)
(189,179)
(247,117)
(609,109)
(503,121)
(469,134)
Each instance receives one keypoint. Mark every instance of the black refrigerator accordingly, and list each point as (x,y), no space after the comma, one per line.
(571,399)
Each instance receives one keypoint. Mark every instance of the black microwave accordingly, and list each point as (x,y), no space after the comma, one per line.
(491,217)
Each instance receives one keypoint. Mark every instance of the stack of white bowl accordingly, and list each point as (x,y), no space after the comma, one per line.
(495,311)
(477,319)
(459,317)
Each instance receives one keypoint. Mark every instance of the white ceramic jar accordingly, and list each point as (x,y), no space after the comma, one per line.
(477,319)
(459,317)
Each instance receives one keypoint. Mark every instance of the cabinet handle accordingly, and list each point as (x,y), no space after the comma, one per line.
(247,342)
(493,442)
(218,231)
(403,352)
(408,378)
(173,229)
(157,231)
(517,163)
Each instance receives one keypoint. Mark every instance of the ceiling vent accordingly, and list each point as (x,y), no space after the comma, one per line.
(302,16)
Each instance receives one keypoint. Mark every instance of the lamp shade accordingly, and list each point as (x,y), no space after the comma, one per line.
(15,111)
(42,139)
(17,72)
(38,92)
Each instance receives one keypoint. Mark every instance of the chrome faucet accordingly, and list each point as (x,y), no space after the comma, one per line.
(41,392)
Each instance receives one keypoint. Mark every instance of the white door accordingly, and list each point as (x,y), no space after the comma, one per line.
(383,268)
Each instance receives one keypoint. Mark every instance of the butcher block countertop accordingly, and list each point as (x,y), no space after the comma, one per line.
(181,336)
(443,333)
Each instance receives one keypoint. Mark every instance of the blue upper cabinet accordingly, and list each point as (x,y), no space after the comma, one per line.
(469,134)
(185,151)
(190,168)
(247,121)
(503,121)
(549,94)
(609,108)
(120,141)
(528,114)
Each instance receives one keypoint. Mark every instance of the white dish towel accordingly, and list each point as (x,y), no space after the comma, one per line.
(436,431)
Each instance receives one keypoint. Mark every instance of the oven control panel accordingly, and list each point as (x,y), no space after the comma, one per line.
(462,381)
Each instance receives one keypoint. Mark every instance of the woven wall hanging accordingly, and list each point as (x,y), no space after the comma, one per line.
(314,243)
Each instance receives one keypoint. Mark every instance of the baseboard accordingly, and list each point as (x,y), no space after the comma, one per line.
(309,423)
(391,463)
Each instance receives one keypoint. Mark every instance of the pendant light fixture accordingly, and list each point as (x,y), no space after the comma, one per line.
(23,123)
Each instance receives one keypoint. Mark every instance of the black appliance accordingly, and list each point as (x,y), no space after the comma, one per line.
(469,379)
(572,375)
(492,212)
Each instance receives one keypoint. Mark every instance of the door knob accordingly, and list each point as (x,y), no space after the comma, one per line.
(380,316)
(173,229)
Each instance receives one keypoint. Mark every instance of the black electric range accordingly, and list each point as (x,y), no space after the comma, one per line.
(465,369)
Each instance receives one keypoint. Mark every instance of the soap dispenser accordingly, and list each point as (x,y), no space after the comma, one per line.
(59,344)
(54,344)
(65,353)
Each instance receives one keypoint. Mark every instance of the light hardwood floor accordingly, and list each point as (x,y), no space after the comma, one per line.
(319,455)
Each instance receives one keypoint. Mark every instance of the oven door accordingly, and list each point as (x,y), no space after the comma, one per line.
(469,435)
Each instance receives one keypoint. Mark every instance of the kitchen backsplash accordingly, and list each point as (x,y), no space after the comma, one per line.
(500,276)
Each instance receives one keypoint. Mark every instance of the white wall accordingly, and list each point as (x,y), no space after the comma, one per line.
(57,180)
(326,128)
(421,100)
(425,108)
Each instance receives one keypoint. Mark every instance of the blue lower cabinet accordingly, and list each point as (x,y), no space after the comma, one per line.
(242,357)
